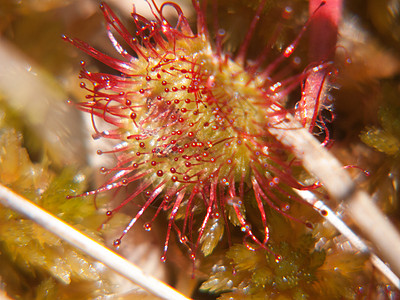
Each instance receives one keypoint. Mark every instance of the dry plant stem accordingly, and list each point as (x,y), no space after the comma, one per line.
(3,296)
(97,251)
(376,227)
(321,164)
(354,239)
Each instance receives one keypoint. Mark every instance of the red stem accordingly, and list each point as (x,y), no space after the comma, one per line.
(323,37)
(323,29)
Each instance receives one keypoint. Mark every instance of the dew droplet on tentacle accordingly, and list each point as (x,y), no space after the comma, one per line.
(147,226)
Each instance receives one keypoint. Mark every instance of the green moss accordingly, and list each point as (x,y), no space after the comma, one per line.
(212,235)
(300,273)
(37,258)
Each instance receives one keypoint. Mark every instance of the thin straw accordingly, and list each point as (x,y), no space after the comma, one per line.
(92,248)
(360,207)
(357,242)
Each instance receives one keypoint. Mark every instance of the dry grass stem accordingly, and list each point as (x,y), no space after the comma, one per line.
(326,168)
(353,238)
(97,251)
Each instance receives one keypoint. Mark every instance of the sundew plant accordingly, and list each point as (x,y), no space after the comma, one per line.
(202,121)
(191,124)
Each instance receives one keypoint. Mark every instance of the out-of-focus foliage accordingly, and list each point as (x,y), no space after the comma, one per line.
(385,15)
(282,18)
(387,138)
(26,23)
